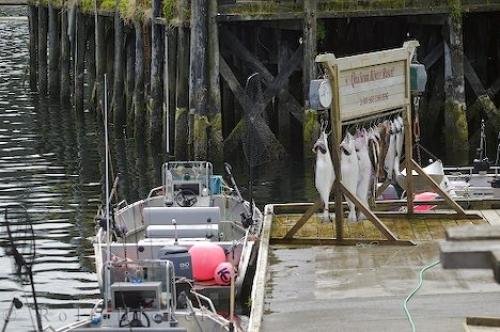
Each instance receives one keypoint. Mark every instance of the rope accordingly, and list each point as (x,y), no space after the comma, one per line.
(420,282)
(420,146)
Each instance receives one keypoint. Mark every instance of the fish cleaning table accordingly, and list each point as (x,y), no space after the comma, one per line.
(362,287)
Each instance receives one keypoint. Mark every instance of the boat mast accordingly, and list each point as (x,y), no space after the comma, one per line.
(108,231)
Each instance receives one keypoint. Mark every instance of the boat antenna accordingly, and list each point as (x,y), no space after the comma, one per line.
(21,263)
(498,149)
(247,215)
(250,160)
(482,143)
(108,230)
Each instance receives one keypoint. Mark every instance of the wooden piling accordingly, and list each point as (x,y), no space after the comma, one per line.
(100,63)
(215,151)
(65,93)
(53,47)
(182,92)
(198,84)
(33,47)
(110,49)
(130,77)
(79,60)
(284,131)
(91,63)
(139,105)
(309,37)
(118,105)
(157,52)
(169,81)
(455,128)
(42,50)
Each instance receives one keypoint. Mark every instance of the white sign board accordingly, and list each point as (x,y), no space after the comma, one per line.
(370,83)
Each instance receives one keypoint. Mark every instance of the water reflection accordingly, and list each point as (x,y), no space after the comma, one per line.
(52,160)
(49,164)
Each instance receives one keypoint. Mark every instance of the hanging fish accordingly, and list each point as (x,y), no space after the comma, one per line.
(349,166)
(391,153)
(399,125)
(325,174)
(383,130)
(374,152)
(365,168)
(373,148)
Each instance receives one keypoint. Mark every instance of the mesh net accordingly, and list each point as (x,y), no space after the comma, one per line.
(259,143)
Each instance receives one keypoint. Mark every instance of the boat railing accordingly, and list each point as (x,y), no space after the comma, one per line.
(461,170)
(245,243)
(200,297)
(121,204)
(70,327)
(78,323)
(153,191)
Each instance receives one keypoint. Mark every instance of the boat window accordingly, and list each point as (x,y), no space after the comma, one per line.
(194,187)
(187,171)
(135,299)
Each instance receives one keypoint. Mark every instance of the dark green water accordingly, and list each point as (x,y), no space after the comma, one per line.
(51,161)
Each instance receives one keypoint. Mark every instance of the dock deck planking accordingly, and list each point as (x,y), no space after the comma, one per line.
(492,216)
(337,288)
(359,288)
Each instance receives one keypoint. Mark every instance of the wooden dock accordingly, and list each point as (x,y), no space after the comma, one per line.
(362,287)
(492,216)
(13,2)
(196,76)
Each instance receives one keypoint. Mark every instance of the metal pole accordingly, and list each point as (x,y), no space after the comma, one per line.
(108,232)
(232,292)
(35,302)
(166,97)
(7,317)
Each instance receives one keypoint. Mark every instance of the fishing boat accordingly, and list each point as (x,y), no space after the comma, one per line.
(152,264)
(435,170)
(147,302)
(481,181)
(193,216)
(469,183)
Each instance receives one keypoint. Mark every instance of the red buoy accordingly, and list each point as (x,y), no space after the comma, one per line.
(223,273)
(205,257)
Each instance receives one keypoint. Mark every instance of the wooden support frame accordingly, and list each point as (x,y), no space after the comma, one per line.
(247,105)
(302,221)
(396,60)
(369,214)
(434,55)
(232,43)
(273,87)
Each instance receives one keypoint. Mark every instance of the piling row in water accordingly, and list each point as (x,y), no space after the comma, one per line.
(177,71)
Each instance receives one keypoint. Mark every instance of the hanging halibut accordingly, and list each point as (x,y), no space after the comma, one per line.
(325,174)
(383,130)
(374,152)
(374,148)
(349,165)
(399,126)
(365,168)
(391,153)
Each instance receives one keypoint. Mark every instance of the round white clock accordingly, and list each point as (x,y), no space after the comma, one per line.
(320,94)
